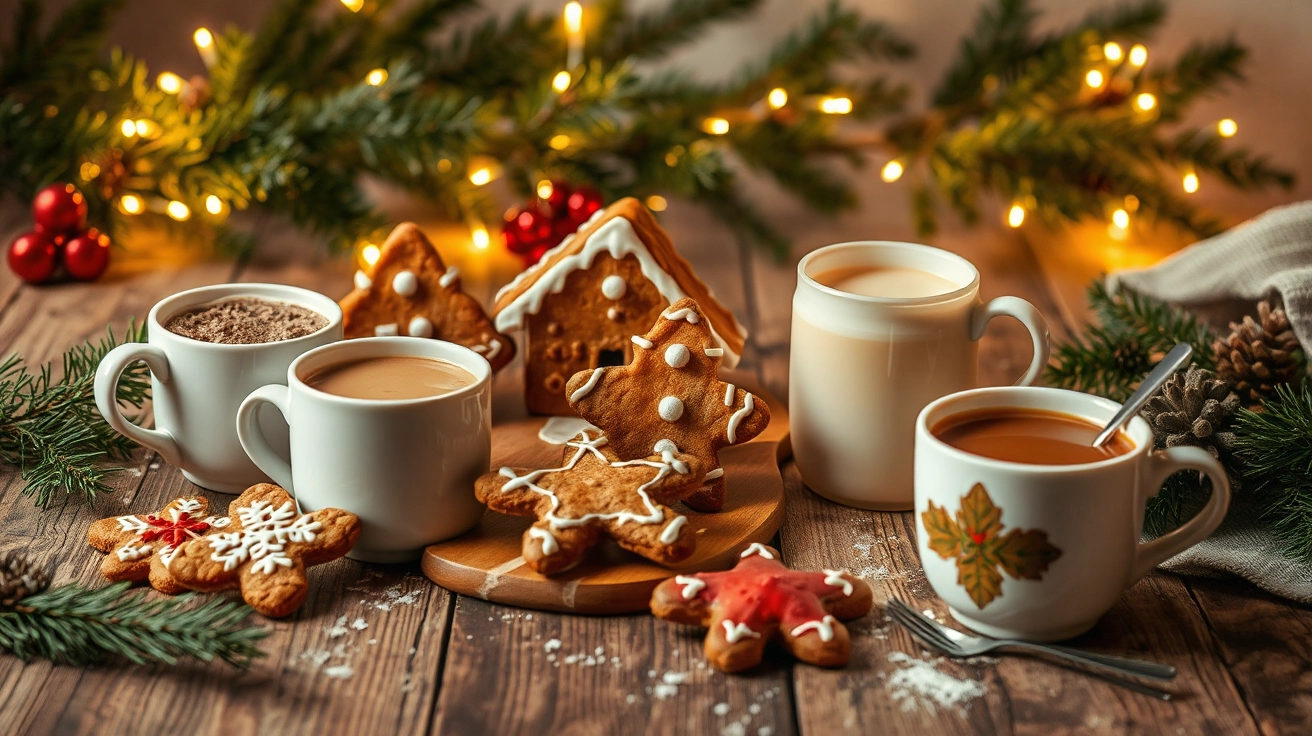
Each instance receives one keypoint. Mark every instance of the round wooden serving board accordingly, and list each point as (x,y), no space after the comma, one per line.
(486,562)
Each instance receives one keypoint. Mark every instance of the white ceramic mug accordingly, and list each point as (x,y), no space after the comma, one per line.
(197,386)
(1076,528)
(406,467)
(862,367)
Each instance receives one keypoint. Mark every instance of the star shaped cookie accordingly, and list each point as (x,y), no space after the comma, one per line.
(410,291)
(671,392)
(745,607)
(140,546)
(595,494)
(265,550)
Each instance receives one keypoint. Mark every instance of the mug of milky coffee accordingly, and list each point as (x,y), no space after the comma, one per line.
(392,429)
(1024,528)
(207,348)
(881,329)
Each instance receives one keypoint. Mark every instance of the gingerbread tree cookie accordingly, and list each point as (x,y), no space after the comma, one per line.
(140,546)
(745,607)
(265,550)
(410,291)
(595,494)
(671,392)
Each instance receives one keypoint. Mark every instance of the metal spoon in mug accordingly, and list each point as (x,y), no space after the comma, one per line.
(1174,361)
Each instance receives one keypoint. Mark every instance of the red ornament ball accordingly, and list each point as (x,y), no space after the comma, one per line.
(560,191)
(32,256)
(59,209)
(582,204)
(87,256)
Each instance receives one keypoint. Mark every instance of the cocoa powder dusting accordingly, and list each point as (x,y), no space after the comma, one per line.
(246,320)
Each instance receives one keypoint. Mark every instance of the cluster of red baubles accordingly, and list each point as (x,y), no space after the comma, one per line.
(540,225)
(61,236)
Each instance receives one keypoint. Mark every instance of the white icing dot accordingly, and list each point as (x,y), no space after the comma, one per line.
(612,314)
(405,283)
(677,355)
(613,287)
(448,277)
(713,474)
(420,327)
(362,280)
(387,330)
(671,408)
(664,446)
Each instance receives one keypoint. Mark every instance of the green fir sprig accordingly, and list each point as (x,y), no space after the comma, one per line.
(50,428)
(1275,449)
(72,624)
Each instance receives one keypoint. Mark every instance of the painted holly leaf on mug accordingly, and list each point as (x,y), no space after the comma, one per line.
(974,539)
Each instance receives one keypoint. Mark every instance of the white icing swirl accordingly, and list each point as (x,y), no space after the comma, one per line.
(737,418)
(733,632)
(449,277)
(756,548)
(684,313)
(587,387)
(836,579)
(549,545)
(642,342)
(670,534)
(691,585)
(824,627)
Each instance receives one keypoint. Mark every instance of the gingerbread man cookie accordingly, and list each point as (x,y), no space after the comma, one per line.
(745,607)
(594,493)
(140,546)
(670,392)
(265,550)
(410,291)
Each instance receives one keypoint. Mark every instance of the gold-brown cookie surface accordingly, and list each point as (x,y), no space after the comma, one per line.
(140,546)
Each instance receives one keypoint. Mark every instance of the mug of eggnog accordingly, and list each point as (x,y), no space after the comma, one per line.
(880,330)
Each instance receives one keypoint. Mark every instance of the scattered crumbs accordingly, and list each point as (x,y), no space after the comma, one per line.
(316,657)
(528,617)
(734,729)
(615,661)
(866,567)
(413,650)
(359,624)
(506,617)
(599,651)
(630,698)
(373,641)
(663,691)
(135,472)
(340,671)
(764,731)
(393,596)
(720,709)
(674,678)
(469,636)
(754,709)
(674,653)
(338,629)
(489,618)
(551,658)
(551,645)
(921,685)
(651,673)
(154,466)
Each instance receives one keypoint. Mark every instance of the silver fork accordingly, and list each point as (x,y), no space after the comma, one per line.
(956,644)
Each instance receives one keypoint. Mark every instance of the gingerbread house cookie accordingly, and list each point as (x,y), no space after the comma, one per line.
(587,297)
(410,291)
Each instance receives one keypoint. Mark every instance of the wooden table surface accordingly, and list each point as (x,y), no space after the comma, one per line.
(380,649)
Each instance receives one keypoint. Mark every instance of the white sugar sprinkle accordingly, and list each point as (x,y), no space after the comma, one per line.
(921,685)
(733,729)
(674,678)
(340,671)
(552,645)
(720,709)
(359,624)
(664,691)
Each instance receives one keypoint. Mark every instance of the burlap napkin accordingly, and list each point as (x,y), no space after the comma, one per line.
(1220,279)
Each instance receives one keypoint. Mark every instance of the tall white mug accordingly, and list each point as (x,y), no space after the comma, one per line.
(406,467)
(862,367)
(197,386)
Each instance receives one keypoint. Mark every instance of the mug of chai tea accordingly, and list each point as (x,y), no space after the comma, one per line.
(881,329)
(1024,528)
(207,348)
(392,429)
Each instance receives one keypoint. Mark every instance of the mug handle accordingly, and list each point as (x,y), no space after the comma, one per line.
(252,438)
(1026,314)
(106,390)
(1161,465)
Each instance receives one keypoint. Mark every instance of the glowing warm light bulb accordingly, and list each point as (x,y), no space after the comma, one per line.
(480,237)
(178,210)
(169,82)
(1190,183)
(1145,102)
(778,98)
(559,142)
(573,16)
(1016,215)
(716,126)
(545,189)
(1227,128)
(213,205)
(129,128)
(892,171)
(480,177)
(561,81)
(836,105)
(143,127)
(131,204)
(1121,219)
(657,203)
(1094,78)
(376,77)
(203,38)
(1138,54)
(370,253)
(353,5)
(89,170)
(1112,51)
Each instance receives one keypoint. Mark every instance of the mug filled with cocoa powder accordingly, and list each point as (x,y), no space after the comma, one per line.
(207,348)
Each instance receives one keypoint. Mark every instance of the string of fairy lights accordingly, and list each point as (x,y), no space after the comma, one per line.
(1112,68)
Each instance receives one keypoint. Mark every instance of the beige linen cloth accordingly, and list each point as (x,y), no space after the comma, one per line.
(1220,279)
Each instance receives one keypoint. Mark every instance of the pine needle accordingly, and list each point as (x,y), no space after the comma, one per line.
(1275,447)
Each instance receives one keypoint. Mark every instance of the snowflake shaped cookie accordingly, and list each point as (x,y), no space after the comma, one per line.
(265,550)
(140,546)
(759,598)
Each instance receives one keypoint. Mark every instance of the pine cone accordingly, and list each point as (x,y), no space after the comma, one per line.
(19,578)
(1259,355)
(1194,408)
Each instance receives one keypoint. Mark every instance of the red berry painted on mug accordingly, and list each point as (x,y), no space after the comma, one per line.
(32,257)
(87,256)
(59,209)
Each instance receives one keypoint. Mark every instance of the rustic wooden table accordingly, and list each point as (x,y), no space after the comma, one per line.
(379,649)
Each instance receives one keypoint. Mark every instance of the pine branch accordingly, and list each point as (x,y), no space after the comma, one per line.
(657,32)
(50,428)
(74,625)
(1275,449)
